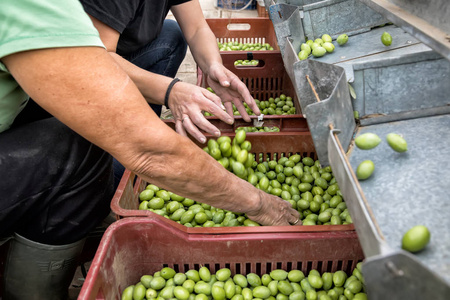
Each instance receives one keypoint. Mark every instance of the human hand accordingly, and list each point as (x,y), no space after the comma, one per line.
(274,211)
(231,90)
(187,103)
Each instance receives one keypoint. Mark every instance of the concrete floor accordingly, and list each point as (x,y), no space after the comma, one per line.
(188,73)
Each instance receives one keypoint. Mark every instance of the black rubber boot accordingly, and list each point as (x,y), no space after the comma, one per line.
(38,271)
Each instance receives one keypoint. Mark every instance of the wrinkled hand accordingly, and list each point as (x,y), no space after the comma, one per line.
(274,211)
(187,103)
(231,90)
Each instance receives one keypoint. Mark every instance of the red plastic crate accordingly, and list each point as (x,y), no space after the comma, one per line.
(125,202)
(287,124)
(262,12)
(134,247)
(244,30)
(268,79)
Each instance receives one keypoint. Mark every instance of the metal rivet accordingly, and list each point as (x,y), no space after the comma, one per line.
(394,270)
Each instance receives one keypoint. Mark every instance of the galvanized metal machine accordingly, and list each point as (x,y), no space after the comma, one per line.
(402,88)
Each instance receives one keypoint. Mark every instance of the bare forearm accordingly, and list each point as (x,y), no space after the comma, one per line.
(200,38)
(103,105)
(153,86)
(190,172)
(204,48)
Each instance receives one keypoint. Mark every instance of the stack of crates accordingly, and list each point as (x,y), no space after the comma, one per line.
(243,30)
(236,4)
(265,80)
(142,242)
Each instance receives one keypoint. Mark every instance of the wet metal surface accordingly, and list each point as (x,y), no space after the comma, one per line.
(334,107)
(339,16)
(411,188)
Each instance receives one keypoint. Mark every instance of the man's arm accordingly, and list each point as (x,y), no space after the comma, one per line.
(186,100)
(85,89)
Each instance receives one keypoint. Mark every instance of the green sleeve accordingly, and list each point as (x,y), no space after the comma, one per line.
(37,24)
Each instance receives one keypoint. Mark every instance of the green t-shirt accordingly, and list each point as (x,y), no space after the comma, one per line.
(37,24)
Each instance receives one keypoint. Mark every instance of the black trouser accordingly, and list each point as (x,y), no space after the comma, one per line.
(55,186)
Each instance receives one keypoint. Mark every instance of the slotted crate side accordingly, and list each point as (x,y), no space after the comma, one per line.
(133,247)
(283,144)
(125,202)
(268,79)
(244,30)
(286,123)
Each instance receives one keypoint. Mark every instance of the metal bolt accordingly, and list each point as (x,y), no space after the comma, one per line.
(394,270)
